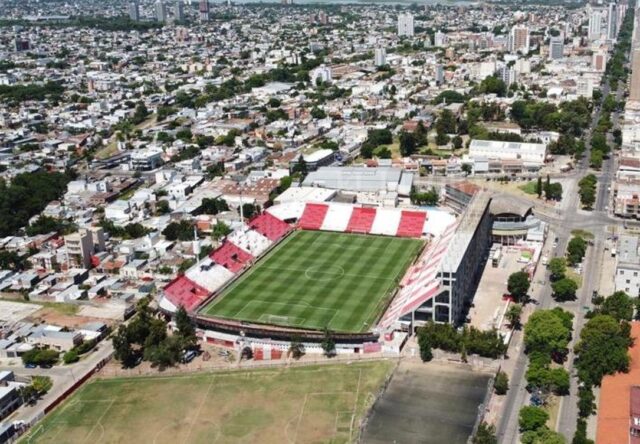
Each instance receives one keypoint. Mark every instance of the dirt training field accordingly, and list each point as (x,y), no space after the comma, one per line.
(427,404)
(301,404)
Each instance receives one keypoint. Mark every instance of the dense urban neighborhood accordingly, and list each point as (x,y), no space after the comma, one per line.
(320,222)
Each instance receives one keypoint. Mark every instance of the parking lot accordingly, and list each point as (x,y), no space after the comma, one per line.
(488,303)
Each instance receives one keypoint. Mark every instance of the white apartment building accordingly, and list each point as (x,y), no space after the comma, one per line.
(595,25)
(161,11)
(612,21)
(584,87)
(519,39)
(405,25)
(628,266)
(440,39)
(322,72)
(556,48)
(380,56)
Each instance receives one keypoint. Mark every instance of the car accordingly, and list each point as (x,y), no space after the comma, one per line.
(30,365)
(46,365)
(188,356)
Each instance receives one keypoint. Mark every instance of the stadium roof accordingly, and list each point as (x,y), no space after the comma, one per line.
(503,204)
(466,229)
(361,179)
(305,194)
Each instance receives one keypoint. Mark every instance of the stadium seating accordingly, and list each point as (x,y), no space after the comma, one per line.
(250,241)
(209,275)
(411,224)
(386,222)
(361,220)
(421,283)
(269,226)
(230,256)
(337,218)
(313,216)
(183,291)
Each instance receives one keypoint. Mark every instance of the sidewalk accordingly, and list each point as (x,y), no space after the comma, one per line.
(495,407)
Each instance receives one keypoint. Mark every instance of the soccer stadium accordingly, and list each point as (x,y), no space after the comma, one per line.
(363,273)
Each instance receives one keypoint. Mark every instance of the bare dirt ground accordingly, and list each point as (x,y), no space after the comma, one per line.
(427,404)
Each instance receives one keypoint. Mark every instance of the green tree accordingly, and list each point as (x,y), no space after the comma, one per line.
(539,187)
(186,330)
(162,207)
(486,434)
(296,348)
(542,436)
(185,265)
(580,436)
(553,191)
(408,144)
(501,383)
(586,401)
(318,113)
(164,354)
(587,197)
(382,152)
(41,384)
(328,344)
(70,357)
(220,230)
(547,379)
(446,123)
(619,306)
(602,349)
(28,394)
(596,159)
(122,349)
(532,418)
(424,344)
(576,249)
(249,210)
(41,356)
(548,332)
(493,85)
(214,206)
(300,167)
(513,315)
(441,139)
(518,285)
(558,268)
(564,289)
(182,231)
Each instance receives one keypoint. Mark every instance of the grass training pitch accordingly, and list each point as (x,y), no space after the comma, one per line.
(298,404)
(316,279)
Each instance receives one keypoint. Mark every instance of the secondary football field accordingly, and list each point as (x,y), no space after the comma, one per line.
(317,279)
(271,406)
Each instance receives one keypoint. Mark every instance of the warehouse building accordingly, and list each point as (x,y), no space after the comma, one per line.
(360,179)
(532,155)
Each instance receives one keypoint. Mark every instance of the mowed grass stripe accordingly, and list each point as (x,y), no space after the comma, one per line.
(316,279)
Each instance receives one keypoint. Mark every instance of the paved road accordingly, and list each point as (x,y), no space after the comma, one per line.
(562,223)
(63,378)
(568,414)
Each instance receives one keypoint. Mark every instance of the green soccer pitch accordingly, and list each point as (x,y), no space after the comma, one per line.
(317,279)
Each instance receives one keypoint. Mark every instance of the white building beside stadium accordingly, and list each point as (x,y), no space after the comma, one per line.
(529,153)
